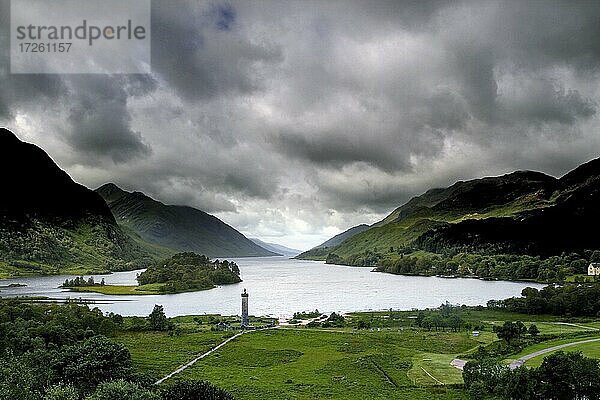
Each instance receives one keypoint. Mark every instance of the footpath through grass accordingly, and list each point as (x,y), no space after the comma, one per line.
(390,359)
(311,364)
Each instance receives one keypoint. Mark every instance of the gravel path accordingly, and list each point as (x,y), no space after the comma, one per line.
(186,366)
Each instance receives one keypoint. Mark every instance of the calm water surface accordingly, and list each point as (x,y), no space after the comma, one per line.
(279,287)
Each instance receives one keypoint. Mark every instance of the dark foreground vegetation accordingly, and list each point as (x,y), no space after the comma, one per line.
(54,352)
(190,271)
(562,376)
(564,300)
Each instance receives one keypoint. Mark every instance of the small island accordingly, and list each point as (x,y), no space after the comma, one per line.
(183,272)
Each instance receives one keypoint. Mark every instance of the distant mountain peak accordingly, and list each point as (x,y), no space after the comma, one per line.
(276,248)
(182,228)
(581,173)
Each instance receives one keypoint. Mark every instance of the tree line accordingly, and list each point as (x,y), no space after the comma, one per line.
(64,352)
(405,261)
(581,299)
(562,376)
(80,281)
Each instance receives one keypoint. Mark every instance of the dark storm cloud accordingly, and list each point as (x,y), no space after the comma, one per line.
(99,119)
(18,90)
(336,150)
(302,118)
(553,32)
(541,101)
(196,50)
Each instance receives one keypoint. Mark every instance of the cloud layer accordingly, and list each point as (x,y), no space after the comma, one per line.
(295,120)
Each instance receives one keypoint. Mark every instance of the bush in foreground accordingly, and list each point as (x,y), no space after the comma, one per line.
(195,390)
(122,390)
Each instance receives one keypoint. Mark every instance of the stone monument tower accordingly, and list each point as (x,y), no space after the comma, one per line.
(245,322)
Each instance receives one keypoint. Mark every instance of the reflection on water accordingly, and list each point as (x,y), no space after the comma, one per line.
(279,286)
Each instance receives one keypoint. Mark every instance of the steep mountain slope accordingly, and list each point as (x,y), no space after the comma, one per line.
(178,227)
(276,248)
(50,224)
(321,251)
(522,212)
(562,226)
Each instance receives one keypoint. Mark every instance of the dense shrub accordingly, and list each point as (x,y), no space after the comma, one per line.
(195,390)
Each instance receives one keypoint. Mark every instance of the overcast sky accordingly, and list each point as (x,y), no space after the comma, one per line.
(293,121)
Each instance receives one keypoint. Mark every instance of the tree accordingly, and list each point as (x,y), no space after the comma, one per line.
(122,390)
(520,383)
(508,332)
(194,390)
(158,320)
(86,364)
(362,324)
(17,380)
(487,371)
(533,330)
(62,392)
(569,376)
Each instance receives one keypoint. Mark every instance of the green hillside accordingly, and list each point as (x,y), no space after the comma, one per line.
(527,213)
(177,227)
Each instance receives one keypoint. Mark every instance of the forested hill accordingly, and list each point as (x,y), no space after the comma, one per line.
(190,272)
(178,227)
(50,224)
(519,213)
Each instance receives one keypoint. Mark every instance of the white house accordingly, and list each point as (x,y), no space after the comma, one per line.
(594,269)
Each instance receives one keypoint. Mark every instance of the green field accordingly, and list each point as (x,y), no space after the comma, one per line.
(158,353)
(391,360)
(309,364)
(551,328)
(153,288)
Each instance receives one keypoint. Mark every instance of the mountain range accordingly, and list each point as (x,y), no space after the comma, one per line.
(277,248)
(50,224)
(523,212)
(177,227)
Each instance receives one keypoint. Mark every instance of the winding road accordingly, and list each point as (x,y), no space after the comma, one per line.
(458,363)
(522,360)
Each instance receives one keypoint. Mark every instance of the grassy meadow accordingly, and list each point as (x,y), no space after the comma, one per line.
(391,360)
